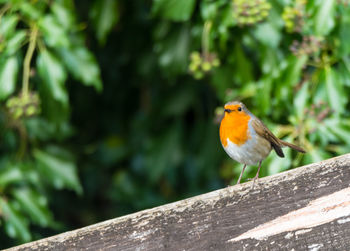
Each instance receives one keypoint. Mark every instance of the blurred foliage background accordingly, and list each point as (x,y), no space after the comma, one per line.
(112,106)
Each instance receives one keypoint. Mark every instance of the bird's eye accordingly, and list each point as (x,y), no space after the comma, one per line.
(239,109)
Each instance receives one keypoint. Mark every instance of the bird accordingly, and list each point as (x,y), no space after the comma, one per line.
(246,139)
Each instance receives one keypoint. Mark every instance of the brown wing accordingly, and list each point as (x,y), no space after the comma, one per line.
(264,132)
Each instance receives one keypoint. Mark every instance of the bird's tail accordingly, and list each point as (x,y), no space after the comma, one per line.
(297,148)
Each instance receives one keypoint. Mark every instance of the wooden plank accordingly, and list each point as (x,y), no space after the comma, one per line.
(307,208)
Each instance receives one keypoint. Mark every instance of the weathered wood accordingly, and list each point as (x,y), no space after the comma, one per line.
(307,208)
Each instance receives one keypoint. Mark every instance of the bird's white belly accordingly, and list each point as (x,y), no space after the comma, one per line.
(251,152)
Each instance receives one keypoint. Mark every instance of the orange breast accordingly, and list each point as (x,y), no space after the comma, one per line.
(234,126)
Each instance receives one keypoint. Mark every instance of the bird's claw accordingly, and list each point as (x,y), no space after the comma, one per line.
(255,179)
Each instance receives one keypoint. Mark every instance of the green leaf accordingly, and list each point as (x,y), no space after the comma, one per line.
(290,77)
(42,129)
(317,155)
(64,13)
(30,10)
(8,77)
(15,42)
(209,10)
(53,32)
(344,32)
(179,102)
(35,205)
(264,101)
(174,51)
(54,111)
(105,14)
(164,153)
(8,25)
(318,80)
(174,10)
(16,224)
(324,20)
(54,75)
(326,134)
(293,71)
(337,97)
(344,71)
(221,79)
(271,63)
(300,100)
(339,128)
(242,64)
(60,171)
(10,174)
(268,34)
(82,64)
(276,164)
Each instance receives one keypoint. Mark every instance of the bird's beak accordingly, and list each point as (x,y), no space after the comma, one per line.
(227,110)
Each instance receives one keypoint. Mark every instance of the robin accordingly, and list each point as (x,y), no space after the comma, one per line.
(246,139)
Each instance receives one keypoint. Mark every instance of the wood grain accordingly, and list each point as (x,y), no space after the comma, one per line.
(307,208)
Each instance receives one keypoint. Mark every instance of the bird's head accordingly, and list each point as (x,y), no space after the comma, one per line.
(235,109)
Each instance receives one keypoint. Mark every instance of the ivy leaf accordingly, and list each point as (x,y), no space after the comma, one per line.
(15,42)
(265,86)
(30,10)
(290,76)
(7,25)
(64,13)
(53,32)
(82,64)
(243,65)
(164,153)
(54,75)
(300,100)
(268,34)
(10,174)
(174,51)
(294,70)
(324,20)
(336,95)
(174,10)
(16,224)
(8,77)
(59,171)
(317,155)
(339,129)
(105,14)
(35,205)
(276,164)
(344,32)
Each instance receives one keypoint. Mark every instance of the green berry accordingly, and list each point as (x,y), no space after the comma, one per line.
(198,75)
(18,113)
(264,13)
(193,67)
(216,62)
(206,66)
(250,12)
(250,20)
(195,56)
(30,111)
(12,102)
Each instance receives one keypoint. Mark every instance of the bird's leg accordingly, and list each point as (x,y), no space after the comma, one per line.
(257,175)
(240,176)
